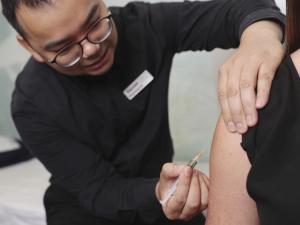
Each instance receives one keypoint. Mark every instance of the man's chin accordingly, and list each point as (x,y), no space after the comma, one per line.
(100,72)
(103,70)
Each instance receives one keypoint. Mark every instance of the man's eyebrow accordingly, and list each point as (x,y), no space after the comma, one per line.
(53,44)
(91,15)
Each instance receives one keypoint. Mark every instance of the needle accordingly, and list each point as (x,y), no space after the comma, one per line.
(192,163)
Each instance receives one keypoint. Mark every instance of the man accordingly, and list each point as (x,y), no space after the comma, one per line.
(92,102)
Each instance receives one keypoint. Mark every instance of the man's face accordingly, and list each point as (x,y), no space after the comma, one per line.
(52,27)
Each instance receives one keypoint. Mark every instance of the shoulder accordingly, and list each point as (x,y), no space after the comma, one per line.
(130,11)
(33,78)
(134,9)
(277,115)
(287,71)
(35,85)
(134,15)
(137,12)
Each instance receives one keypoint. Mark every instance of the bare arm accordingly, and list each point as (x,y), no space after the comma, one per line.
(229,202)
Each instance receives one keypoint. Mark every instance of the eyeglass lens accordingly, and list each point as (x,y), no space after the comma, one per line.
(72,55)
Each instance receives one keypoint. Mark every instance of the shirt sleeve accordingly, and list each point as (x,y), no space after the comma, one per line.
(205,25)
(79,169)
(273,150)
(276,119)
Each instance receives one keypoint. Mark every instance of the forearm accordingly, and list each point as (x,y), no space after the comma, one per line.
(229,202)
(126,199)
(97,184)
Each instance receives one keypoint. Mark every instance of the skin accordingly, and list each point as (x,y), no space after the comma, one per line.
(191,196)
(58,18)
(245,78)
(252,66)
(229,201)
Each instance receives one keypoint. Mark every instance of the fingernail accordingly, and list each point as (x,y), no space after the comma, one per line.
(249,119)
(259,103)
(240,127)
(231,127)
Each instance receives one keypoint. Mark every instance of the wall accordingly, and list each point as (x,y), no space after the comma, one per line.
(193,103)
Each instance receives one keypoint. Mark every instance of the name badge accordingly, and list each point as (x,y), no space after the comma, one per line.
(138,85)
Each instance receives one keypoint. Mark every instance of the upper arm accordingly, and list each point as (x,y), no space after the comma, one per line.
(229,202)
(205,25)
(197,25)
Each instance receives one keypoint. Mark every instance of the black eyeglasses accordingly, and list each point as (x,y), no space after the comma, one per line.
(71,55)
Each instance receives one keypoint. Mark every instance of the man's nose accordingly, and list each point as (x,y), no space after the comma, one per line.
(89,49)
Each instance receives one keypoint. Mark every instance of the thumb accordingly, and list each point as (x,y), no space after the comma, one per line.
(171,171)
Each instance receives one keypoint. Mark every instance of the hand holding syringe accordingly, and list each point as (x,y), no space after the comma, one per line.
(172,190)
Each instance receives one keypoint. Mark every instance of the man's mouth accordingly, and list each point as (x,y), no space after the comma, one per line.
(100,62)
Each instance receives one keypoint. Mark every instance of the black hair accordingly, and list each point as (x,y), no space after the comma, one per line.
(292,28)
(9,8)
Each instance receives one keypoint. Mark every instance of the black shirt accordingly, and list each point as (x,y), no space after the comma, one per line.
(100,147)
(273,150)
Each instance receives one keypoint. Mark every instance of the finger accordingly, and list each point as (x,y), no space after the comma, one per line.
(177,201)
(171,171)
(193,203)
(234,100)
(223,100)
(265,78)
(206,179)
(247,88)
(204,193)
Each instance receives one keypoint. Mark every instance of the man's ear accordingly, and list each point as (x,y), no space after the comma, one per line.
(26,45)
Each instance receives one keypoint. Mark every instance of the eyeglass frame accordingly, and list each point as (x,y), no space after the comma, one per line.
(86,37)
